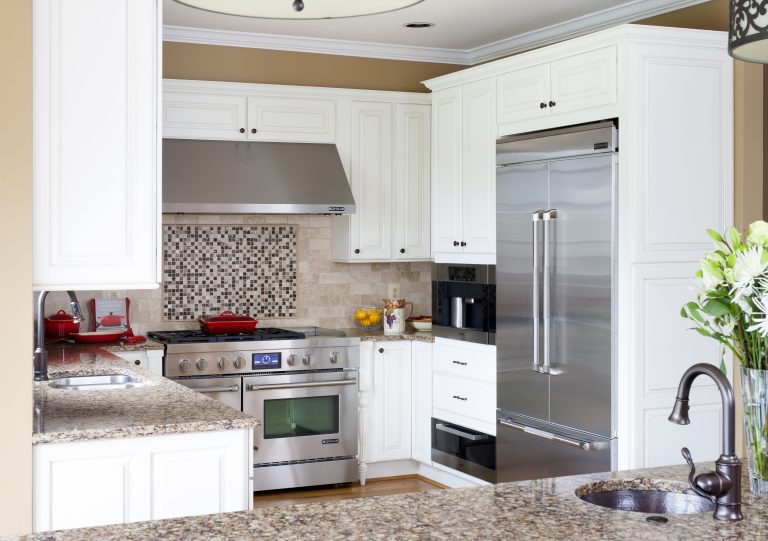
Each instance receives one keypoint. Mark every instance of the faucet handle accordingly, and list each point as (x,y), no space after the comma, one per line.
(687,456)
(696,481)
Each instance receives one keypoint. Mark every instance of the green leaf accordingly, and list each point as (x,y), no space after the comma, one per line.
(694,311)
(734,237)
(683,313)
(703,332)
(717,308)
(722,366)
(715,236)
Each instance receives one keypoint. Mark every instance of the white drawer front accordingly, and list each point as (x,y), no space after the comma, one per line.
(464,397)
(465,362)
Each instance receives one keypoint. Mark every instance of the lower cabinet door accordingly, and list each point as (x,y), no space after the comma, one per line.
(391,401)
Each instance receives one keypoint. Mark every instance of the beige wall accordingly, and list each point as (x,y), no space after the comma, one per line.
(327,291)
(218,63)
(16,270)
(712,15)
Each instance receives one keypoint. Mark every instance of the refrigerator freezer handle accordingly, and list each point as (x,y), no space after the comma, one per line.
(536,218)
(585,445)
(548,216)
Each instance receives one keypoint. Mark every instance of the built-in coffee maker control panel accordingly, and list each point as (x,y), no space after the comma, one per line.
(464,302)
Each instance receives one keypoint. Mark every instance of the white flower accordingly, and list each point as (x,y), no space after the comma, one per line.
(760,317)
(758,232)
(748,266)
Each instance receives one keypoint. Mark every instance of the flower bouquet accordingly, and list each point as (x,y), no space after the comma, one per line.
(732,307)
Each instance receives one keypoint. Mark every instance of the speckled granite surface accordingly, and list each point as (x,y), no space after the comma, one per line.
(379,336)
(108,346)
(542,509)
(163,407)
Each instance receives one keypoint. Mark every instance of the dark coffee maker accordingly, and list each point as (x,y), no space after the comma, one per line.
(464,302)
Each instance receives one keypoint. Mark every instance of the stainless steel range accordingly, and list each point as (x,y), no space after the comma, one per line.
(301,385)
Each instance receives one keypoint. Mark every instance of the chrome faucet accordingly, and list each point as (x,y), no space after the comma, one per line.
(40,359)
(724,484)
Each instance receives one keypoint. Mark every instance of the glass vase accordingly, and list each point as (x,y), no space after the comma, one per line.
(754,391)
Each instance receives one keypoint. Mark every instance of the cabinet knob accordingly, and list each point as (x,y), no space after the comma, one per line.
(552,104)
(242,130)
(381,350)
(357,250)
(455,243)
(402,250)
(463,243)
(543,105)
(137,362)
(254,130)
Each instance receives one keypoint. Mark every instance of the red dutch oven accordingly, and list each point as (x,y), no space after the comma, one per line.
(60,324)
(227,323)
(110,320)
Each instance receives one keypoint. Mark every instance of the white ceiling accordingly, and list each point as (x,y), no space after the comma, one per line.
(465,31)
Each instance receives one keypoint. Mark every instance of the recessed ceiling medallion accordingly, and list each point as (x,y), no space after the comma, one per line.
(299,9)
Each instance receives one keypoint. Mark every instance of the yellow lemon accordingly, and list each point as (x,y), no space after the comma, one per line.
(365,322)
(376,319)
(360,314)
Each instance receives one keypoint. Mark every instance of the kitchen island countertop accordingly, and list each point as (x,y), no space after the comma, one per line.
(379,336)
(540,509)
(162,407)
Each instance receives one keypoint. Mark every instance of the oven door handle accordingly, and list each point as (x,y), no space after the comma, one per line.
(221,389)
(465,435)
(252,387)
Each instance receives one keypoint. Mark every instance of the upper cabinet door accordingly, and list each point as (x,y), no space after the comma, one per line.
(291,119)
(583,81)
(96,188)
(371,180)
(192,115)
(446,170)
(479,168)
(524,94)
(411,201)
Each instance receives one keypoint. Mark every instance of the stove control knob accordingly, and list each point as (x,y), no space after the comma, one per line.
(239,363)
(334,357)
(222,363)
(185,364)
(307,359)
(201,364)
(292,360)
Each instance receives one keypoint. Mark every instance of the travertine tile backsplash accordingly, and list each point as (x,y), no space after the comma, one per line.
(327,292)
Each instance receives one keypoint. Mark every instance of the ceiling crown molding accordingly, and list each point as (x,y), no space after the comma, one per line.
(624,13)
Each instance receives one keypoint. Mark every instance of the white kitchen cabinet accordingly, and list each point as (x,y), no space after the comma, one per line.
(464,384)
(150,359)
(197,110)
(389,174)
(464,178)
(96,144)
(421,402)
(92,483)
(391,403)
(573,83)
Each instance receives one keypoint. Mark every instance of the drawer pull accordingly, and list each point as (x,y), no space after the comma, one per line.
(459,362)
(466,435)
(457,397)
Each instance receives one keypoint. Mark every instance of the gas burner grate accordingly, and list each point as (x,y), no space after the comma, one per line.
(193,337)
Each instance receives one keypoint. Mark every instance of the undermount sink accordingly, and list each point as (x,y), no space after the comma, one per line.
(103,382)
(645,496)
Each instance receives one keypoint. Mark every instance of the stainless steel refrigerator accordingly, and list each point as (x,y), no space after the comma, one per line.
(555,302)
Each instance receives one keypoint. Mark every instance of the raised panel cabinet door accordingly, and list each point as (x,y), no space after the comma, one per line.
(96,144)
(371,180)
(584,80)
(198,115)
(446,170)
(478,183)
(524,94)
(411,201)
(421,387)
(392,401)
(303,120)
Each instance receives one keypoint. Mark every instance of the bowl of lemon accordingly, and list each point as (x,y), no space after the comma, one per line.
(368,318)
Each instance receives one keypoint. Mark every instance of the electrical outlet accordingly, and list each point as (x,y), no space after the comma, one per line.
(114,294)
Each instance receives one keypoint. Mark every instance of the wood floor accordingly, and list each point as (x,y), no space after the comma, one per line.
(373,487)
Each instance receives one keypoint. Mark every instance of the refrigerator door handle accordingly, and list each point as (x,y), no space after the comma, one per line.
(548,217)
(584,445)
(536,217)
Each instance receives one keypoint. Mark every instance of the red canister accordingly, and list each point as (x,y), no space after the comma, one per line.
(60,324)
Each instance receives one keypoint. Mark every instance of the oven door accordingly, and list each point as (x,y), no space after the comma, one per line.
(225,390)
(303,416)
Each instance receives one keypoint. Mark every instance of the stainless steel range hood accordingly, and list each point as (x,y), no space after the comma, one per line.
(229,177)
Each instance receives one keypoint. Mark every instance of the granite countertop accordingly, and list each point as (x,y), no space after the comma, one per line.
(147,345)
(379,336)
(540,509)
(162,407)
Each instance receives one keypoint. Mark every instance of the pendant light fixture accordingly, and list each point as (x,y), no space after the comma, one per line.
(299,9)
(748,30)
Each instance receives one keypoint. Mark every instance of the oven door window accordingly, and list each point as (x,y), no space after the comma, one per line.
(292,417)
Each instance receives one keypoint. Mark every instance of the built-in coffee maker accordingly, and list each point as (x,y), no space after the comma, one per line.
(464,302)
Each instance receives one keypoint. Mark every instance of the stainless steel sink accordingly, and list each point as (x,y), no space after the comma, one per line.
(102,382)
(645,496)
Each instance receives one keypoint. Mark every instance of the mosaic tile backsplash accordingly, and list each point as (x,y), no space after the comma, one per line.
(248,269)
